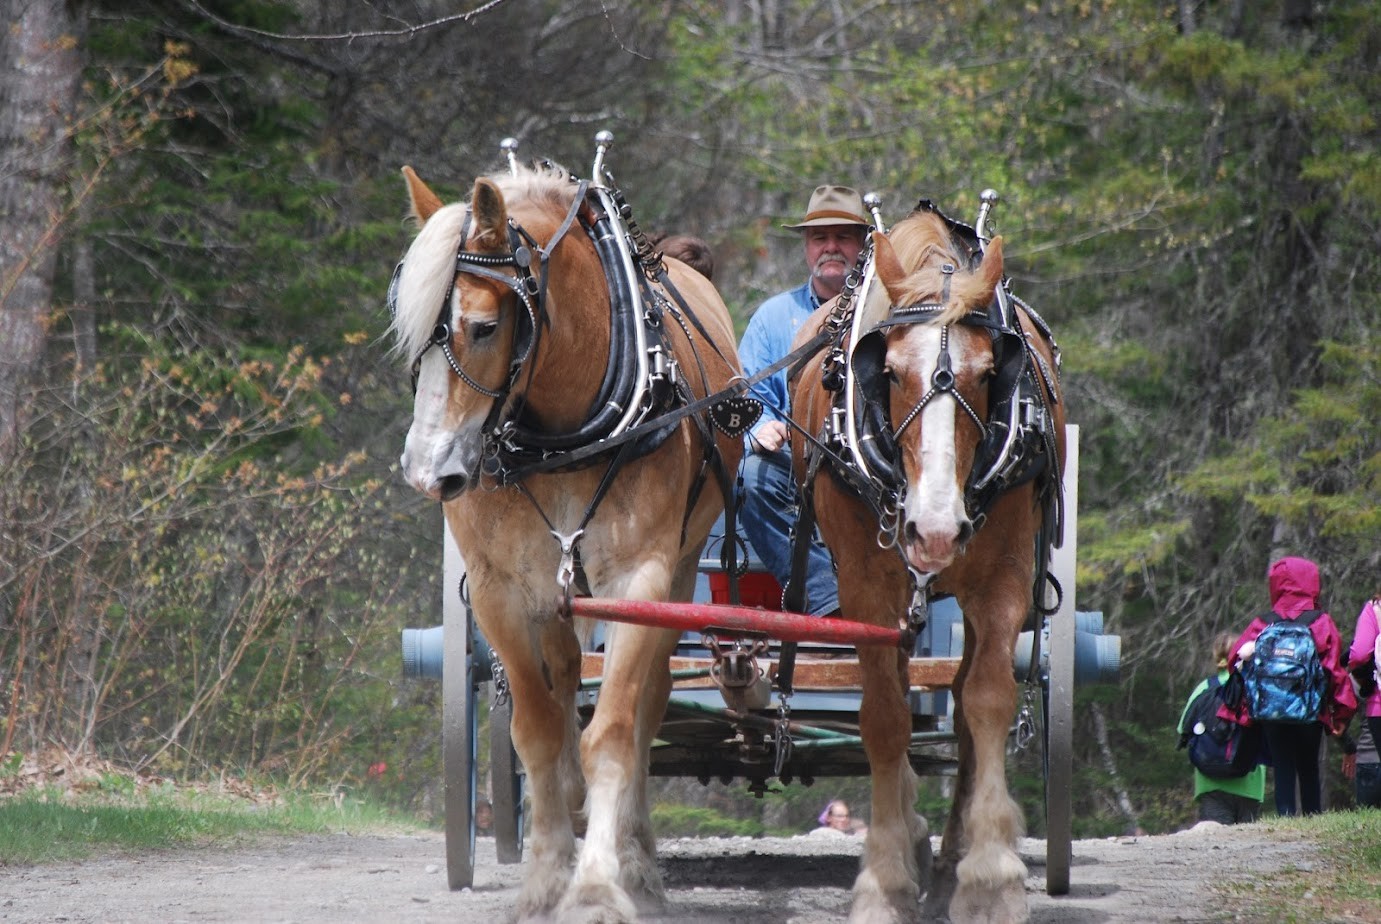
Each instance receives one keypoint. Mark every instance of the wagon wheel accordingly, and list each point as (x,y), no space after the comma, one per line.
(459,736)
(1058,699)
(506,773)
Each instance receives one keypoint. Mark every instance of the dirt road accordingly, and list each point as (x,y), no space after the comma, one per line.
(800,880)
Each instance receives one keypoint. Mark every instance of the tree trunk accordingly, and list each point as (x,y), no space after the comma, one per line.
(1124,800)
(40,77)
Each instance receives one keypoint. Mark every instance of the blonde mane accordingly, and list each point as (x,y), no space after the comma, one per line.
(923,244)
(429,265)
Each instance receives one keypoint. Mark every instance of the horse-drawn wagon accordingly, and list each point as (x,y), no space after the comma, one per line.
(569,384)
(721,728)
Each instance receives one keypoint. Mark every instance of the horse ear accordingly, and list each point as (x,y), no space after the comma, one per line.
(885,262)
(490,214)
(424,201)
(990,270)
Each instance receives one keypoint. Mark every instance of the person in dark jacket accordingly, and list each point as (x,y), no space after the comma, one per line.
(1294,748)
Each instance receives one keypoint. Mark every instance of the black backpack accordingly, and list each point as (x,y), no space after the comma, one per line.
(1219,749)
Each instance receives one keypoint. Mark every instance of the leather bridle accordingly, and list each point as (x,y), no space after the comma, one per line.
(529,288)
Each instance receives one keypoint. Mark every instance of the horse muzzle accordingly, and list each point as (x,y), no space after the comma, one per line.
(442,469)
(931,550)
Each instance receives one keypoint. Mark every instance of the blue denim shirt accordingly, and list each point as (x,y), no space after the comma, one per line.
(768,338)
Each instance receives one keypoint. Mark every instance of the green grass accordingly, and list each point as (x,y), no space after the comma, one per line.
(42,827)
(1340,882)
(671,820)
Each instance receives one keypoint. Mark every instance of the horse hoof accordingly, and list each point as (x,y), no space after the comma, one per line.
(943,882)
(596,904)
(873,904)
(536,904)
(1003,905)
(896,910)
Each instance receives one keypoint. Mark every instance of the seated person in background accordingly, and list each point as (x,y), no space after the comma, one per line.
(836,816)
(833,233)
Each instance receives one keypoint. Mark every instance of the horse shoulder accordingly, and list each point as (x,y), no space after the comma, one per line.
(703,298)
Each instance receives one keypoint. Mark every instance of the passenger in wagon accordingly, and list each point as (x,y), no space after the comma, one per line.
(833,233)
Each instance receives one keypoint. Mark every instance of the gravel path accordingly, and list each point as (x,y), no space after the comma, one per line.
(798,880)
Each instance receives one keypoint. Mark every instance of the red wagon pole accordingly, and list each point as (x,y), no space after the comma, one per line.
(722,618)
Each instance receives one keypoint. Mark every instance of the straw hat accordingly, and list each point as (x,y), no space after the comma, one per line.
(833,205)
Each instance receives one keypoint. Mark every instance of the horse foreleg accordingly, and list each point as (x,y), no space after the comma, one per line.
(616,873)
(546,736)
(561,658)
(896,855)
(991,876)
(944,876)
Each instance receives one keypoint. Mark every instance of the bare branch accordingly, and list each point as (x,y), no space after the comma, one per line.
(402,32)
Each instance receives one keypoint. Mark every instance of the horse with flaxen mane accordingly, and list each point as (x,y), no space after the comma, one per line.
(958,426)
(520,316)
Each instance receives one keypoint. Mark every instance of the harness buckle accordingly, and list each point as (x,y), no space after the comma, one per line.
(565,571)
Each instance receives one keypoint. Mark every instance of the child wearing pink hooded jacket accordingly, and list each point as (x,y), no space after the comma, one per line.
(1363,647)
(1294,749)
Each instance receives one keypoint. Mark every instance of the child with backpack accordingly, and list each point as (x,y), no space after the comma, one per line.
(1363,659)
(1295,681)
(1229,782)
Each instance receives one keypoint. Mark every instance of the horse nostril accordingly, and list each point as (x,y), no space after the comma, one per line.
(452,486)
(965,531)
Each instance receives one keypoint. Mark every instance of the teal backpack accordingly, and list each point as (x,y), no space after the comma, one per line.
(1284,678)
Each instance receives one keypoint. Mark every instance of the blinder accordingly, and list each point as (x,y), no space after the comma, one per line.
(1004,456)
(877,447)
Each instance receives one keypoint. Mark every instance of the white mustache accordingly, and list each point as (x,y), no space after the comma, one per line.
(827,259)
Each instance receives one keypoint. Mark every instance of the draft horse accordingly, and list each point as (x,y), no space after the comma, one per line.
(516,326)
(959,426)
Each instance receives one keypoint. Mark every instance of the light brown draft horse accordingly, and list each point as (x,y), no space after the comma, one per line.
(481,350)
(937,435)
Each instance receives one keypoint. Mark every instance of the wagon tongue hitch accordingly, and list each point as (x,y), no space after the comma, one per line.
(735,671)
(745,688)
(918,614)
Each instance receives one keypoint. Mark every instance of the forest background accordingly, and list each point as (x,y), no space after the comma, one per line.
(206,552)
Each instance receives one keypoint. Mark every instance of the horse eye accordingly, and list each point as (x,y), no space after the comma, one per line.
(483,330)
(890,374)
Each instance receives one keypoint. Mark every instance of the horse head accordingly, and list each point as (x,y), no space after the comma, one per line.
(937,366)
(465,307)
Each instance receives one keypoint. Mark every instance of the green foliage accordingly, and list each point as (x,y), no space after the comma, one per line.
(671,820)
(204,576)
(42,827)
(1312,465)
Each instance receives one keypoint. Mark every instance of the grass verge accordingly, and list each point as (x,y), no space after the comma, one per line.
(1340,882)
(41,826)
